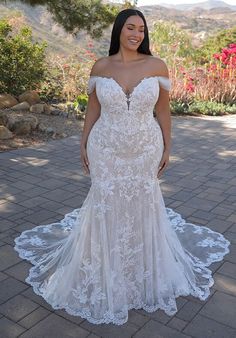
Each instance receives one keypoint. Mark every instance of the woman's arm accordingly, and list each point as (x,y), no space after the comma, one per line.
(93,109)
(163,115)
(92,114)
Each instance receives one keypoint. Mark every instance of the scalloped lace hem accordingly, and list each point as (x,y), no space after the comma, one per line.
(110,318)
(177,223)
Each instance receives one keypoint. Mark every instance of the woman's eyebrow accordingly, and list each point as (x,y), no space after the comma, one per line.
(132,24)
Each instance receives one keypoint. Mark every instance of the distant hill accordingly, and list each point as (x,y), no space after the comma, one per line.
(197,21)
(206,5)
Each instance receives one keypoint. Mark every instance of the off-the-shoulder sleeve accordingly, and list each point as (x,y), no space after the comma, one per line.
(91,84)
(164,82)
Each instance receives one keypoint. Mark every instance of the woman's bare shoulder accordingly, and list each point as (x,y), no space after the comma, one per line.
(158,66)
(99,66)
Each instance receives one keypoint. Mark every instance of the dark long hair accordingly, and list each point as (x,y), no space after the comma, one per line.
(117,27)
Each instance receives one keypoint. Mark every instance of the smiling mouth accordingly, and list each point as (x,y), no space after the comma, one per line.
(133,41)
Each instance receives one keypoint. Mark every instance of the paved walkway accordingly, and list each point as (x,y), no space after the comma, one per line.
(40,184)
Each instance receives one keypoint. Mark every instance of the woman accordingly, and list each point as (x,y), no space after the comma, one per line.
(123,249)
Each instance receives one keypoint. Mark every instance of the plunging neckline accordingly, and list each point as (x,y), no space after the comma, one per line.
(129,93)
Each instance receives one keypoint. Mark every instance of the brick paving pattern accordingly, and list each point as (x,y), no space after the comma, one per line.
(40,184)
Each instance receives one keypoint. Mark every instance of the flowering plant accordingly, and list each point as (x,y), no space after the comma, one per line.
(213,82)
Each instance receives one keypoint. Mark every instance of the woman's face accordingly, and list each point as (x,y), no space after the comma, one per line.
(132,33)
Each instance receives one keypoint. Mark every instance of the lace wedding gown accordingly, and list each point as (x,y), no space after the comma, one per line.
(122,249)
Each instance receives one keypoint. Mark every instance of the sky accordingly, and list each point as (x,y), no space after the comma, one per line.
(177,2)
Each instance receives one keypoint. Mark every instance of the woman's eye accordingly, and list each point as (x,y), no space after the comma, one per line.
(131,29)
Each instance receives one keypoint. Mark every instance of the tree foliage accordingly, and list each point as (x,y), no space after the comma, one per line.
(76,15)
(22,61)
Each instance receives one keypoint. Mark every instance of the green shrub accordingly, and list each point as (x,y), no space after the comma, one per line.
(79,106)
(21,60)
(231,109)
(202,107)
(210,108)
(81,102)
(52,86)
(178,107)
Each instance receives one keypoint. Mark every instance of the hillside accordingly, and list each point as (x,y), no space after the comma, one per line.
(197,21)
(206,5)
(45,29)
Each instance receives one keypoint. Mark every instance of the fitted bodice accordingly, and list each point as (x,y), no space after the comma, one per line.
(126,121)
(113,99)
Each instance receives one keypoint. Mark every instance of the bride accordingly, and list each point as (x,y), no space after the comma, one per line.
(123,248)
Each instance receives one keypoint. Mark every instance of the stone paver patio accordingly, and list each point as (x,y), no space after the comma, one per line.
(40,184)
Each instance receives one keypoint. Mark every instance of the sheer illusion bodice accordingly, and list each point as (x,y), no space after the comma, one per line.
(123,248)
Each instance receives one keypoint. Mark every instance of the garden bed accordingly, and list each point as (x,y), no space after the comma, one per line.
(62,126)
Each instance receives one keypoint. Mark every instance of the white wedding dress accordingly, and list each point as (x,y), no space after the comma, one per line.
(123,248)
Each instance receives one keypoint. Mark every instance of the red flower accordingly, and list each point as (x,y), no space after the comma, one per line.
(212,67)
(232,50)
(233,61)
(225,73)
(225,51)
(189,87)
(217,56)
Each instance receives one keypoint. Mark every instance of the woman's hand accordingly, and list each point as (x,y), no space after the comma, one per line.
(84,159)
(164,162)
